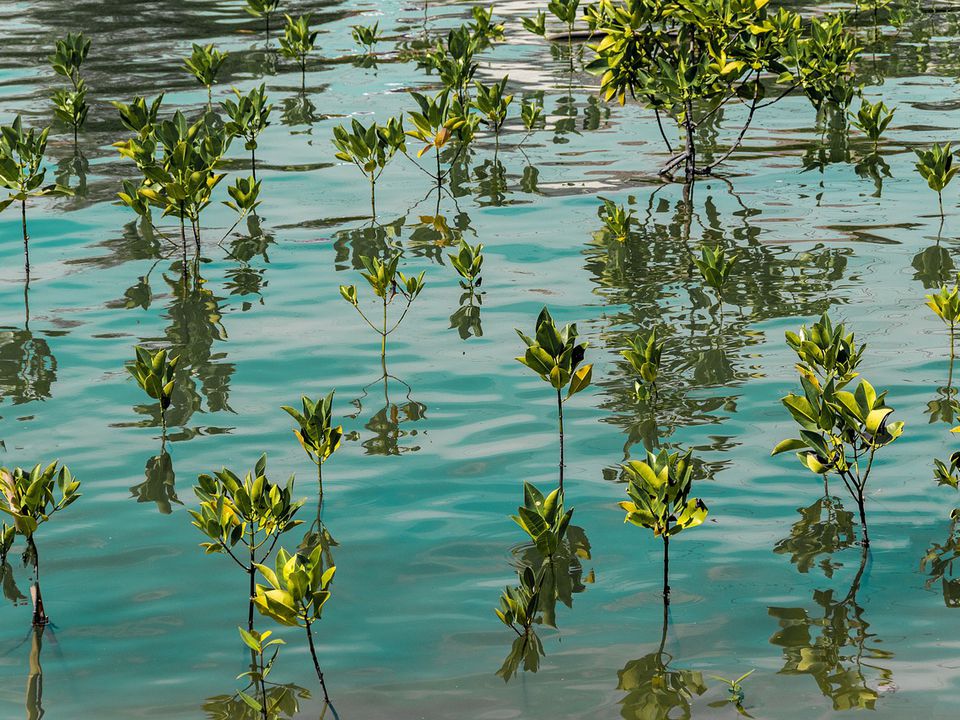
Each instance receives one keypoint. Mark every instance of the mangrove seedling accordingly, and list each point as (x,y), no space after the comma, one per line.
(536,25)
(249,116)
(872,119)
(298,41)
(317,434)
(839,429)
(936,166)
(69,54)
(139,116)
(21,157)
(298,589)
(182,180)
(556,356)
(659,490)
(245,196)
(263,9)
(945,303)
(643,354)
(715,265)
(617,219)
(383,277)
(566,12)
(70,107)
(468,261)
(370,149)
(543,519)
(948,474)
(735,688)
(30,498)
(260,669)
(826,351)
(434,125)
(492,102)
(153,371)
(519,610)
(204,64)
(366,36)
(483,27)
(453,61)
(245,518)
(531,114)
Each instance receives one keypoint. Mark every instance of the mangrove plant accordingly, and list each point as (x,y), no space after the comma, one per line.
(659,490)
(249,115)
(686,61)
(299,587)
(70,105)
(31,498)
(840,431)
(315,430)
(387,283)
(298,41)
(204,64)
(244,518)
(937,167)
(370,149)
(154,372)
(22,173)
(556,356)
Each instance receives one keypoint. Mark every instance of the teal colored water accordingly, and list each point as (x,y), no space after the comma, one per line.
(417,498)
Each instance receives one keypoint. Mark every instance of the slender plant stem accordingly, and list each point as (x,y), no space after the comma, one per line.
(666,570)
(316,662)
(560,421)
(320,482)
(252,573)
(26,237)
(253,163)
(39,614)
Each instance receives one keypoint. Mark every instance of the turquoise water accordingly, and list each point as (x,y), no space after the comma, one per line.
(417,499)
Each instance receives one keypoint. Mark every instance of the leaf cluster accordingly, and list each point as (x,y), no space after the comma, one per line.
(315,430)
(659,490)
(299,587)
(21,164)
(154,373)
(31,497)
(543,518)
(556,356)
(234,510)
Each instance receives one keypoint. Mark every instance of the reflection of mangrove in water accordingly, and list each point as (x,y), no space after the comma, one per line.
(34,697)
(159,484)
(651,275)
(387,425)
(28,368)
(561,576)
(281,701)
(823,529)
(938,562)
(466,318)
(656,691)
(835,647)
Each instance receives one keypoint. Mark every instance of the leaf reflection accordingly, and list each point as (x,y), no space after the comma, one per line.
(834,646)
